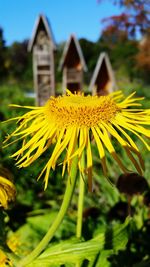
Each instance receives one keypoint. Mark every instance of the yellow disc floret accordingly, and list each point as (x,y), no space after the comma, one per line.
(80,111)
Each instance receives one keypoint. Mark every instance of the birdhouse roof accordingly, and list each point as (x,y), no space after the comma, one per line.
(41,19)
(67,50)
(102,58)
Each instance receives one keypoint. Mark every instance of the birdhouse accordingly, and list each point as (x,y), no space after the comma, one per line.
(73,66)
(103,80)
(42,46)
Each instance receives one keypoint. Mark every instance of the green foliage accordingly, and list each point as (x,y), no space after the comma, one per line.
(19,61)
(34,210)
(73,251)
(3,70)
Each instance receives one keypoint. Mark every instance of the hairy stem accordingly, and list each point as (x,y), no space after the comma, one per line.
(81,198)
(80,202)
(80,207)
(51,232)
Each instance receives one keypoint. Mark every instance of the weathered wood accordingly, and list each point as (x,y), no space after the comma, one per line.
(103,80)
(43,47)
(73,65)
(74,76)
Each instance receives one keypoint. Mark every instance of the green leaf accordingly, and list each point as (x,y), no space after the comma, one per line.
(41,223)
(103,259)
(75,251)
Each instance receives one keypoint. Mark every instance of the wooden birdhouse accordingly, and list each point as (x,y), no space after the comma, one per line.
(42,46)
(103,80)
(73,65)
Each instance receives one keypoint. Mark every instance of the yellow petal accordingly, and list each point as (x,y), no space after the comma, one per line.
(106,140)
(100,150)
(89,163)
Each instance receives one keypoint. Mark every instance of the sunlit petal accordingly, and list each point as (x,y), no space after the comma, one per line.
(69,122)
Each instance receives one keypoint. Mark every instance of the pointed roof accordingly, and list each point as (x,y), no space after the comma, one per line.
(67,47)
(103,58)
(41,20)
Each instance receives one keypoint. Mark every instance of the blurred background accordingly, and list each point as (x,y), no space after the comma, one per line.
(120,28)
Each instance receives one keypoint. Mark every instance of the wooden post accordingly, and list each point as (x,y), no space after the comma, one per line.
(43,47)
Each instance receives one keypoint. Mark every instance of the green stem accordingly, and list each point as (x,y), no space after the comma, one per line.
(80,202)
(80,207)
(81,199)
(51,232)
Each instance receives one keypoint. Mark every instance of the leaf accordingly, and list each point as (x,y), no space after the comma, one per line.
(103,259)
(41,223)
(26,238)
(75,251)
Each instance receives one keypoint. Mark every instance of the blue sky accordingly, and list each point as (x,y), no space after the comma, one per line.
(83,18)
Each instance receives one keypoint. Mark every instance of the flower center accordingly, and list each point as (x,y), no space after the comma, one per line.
(80,111)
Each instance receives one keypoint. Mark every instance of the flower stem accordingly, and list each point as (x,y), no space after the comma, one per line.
(81,198)
(51,232)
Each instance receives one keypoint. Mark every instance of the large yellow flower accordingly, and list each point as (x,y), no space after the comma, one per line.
(7,192)
(70,121)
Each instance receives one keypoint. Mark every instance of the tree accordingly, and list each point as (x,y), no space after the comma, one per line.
(19,61)
(3,71)
(135,18)
(90,51)
(112,35)
(122,51)
(120,34)
(143,58)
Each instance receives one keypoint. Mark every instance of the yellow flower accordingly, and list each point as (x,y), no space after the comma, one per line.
(4,261)
(7,192)
(70,121)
